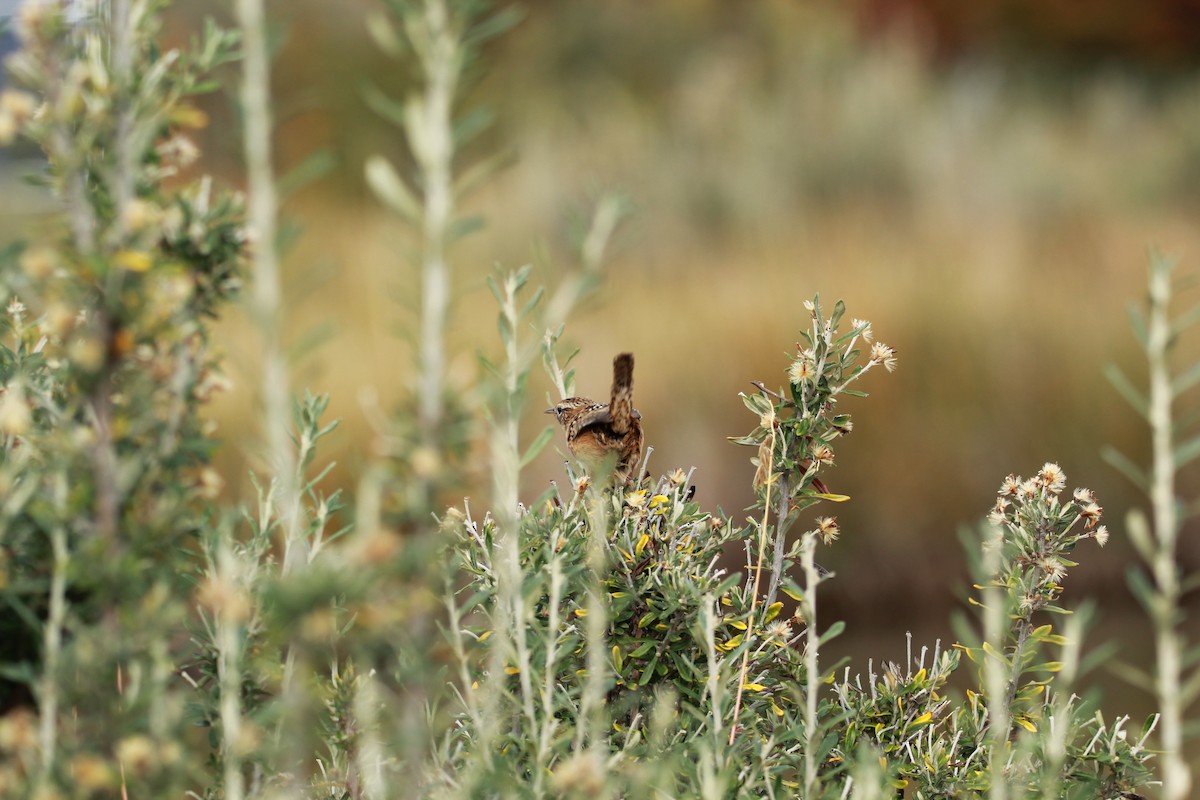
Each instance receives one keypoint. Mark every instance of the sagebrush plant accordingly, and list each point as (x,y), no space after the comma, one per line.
(588,642)
(692,684)
(105,364)
(435,44)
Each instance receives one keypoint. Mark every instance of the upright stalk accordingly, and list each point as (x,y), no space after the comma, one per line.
(998,676)
(266,300)
(52,650)
(431,136)
(228,641)
(1175,774)
(812,671)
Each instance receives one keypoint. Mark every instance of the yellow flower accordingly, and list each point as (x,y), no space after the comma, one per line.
(133,260)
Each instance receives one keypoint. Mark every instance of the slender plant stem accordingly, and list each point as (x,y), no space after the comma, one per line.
(432,138)
(266,311)
(266,302)
(229,674)
(996,674)
(769,447)
(122,31)
(52,650)
(812,673)
(781,530)
(1168,661)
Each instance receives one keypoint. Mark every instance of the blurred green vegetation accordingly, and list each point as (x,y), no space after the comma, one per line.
(988,208)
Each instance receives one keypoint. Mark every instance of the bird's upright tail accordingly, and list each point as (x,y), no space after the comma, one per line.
(621,406)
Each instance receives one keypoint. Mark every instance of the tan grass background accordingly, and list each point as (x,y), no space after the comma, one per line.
(990,214)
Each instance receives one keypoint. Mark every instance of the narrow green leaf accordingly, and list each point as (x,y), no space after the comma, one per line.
(479,172)
(314,167)
(492,26)
(1186,380)
(648,672)
(839,311)
(642,650)
(1190,689)
(19,672)
(756,403)
(465,226)
(832,632)
(1187,452)
(538,294)
(1132,675)
(1138,528)
(389,108)
(1142,589)
(391,189)
(792,589)
(471,124)
(751,440)
(538,445)
(1138,323)
(1122,464)
(505,328)
(1185,321)
(384,34)
(1127,390)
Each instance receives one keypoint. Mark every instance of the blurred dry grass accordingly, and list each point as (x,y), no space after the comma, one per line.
(991,219)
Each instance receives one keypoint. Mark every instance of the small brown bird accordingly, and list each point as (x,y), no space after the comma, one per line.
(605,436)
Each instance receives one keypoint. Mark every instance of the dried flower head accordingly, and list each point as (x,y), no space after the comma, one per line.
(16,310)
(779,631)
(636,499)
(1052,477)
(999,512)
(1091,514)
(178,150)
(827,529)
(801,370)
(882,354)
(866,333)
(1053,569)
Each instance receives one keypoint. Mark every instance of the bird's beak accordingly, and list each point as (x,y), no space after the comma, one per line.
(548,411)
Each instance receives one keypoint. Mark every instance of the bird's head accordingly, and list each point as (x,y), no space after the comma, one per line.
(567,409)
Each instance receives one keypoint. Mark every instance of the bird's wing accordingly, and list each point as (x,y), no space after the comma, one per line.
(599,415)
(594,415)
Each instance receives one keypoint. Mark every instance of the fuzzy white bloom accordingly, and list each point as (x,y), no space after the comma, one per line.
(882,354)
(1052,477)
(16,310)
(867,333)
(801,370)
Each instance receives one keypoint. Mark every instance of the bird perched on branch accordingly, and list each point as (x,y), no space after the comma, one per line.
(605,436)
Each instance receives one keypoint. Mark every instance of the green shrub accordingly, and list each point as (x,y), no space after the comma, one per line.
(159,641)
